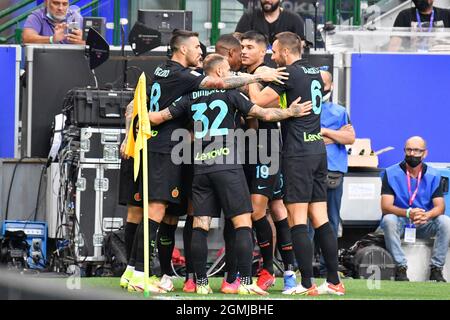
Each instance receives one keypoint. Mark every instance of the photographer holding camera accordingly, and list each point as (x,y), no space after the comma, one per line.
(55,23)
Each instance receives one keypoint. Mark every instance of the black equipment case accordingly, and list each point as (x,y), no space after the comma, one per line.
(95,107)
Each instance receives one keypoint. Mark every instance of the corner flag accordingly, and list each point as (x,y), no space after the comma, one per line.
(133,147)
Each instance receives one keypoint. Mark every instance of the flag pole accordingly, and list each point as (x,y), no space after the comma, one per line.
(143,130)
(146,233)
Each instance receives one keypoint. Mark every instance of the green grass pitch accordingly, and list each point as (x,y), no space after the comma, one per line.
(356,290)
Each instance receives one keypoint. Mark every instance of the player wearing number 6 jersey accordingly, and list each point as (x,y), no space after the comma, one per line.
(304,164)
(219,180)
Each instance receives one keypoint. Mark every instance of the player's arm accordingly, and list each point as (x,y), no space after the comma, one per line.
(177,109)
(345,135)
(296,109)
(128,118)
(231,82)
(266,97)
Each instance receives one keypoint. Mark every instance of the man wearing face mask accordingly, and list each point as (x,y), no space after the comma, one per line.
(413,205)
(423,17)
(54,24)
(270,20)
(337,132)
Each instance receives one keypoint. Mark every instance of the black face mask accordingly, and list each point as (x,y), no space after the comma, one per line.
(413,161)
(422,5)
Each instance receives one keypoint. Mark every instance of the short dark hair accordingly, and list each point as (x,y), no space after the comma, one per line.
(228,40)
(237,35)
(211,61)
(290,41)
(179,36)
(256,36)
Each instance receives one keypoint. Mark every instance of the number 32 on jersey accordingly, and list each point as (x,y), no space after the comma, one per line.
(199,115)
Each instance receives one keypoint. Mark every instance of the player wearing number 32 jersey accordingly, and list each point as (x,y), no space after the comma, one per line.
(304,164)
(219,181)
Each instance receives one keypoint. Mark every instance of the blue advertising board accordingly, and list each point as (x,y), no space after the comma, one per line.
(9,102)
(395,96)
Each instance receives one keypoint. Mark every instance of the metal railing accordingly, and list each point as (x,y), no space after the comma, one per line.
(357,12)
(334,9)
(15,21)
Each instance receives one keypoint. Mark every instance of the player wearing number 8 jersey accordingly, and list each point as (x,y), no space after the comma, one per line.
(219,181)
(304,164)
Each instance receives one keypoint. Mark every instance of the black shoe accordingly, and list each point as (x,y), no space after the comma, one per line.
(400,274)
(436,274)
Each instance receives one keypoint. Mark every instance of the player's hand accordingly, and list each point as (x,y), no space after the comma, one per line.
(262,69)
(272,75)
(75,37)
(122,149)
(300,109)
(59,34)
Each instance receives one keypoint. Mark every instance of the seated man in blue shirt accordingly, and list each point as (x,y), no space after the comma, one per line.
(412,194)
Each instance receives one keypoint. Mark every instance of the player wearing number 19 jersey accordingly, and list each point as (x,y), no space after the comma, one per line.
(304,164)
(265,180)
(219,181)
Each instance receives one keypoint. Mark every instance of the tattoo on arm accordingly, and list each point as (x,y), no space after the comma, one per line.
(231,82)
(128,116)
(166,115)
(202,222)
(239,81)
(269,114)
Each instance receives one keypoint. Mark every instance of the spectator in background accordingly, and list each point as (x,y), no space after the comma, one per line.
(412,203)
(336,132)
(270,20)
(424,15)
(55,23)
(230,47)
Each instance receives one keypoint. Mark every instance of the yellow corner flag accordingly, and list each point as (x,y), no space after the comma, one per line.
(133,147)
